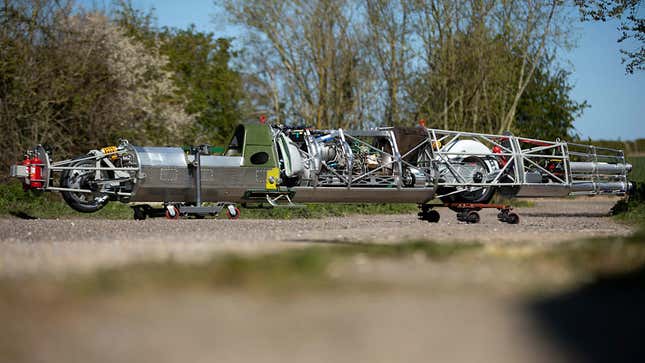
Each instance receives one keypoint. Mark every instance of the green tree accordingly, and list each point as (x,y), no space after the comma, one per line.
(74,80)
(546,110)
(204,77)
(201,66)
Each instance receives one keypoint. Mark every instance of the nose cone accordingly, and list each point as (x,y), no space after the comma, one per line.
(628,167)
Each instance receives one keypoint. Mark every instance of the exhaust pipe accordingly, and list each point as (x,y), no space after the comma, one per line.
(602,187)
(599,168)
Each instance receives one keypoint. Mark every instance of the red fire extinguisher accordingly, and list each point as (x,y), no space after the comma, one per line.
(27,163)
(36,174)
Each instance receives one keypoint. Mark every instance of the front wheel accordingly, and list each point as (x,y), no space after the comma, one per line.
(81,178)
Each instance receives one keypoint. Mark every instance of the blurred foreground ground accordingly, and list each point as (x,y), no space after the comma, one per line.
(55,246)
(567,284)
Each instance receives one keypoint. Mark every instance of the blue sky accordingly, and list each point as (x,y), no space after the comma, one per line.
(617,100)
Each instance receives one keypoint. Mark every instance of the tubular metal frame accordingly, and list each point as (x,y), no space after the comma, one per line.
(521,157)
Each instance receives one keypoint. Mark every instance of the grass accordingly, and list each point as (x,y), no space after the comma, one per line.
(13,200)
(322,210)
(632,209)
(638,171)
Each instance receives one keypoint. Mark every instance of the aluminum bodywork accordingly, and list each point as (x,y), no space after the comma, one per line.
(406,165)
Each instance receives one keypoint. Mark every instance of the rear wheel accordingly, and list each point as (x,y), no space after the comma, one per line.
(81,179)
(480,169)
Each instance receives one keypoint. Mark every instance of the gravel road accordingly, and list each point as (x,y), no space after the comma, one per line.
(59,246)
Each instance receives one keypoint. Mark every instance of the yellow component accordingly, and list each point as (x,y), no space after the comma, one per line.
(110,150)
(272,178)
(436,145)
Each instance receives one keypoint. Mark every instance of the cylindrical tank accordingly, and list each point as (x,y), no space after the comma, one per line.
(601,187)
(599,168)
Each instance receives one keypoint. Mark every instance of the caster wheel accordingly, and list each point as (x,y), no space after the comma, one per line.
(235,214)
(432,216)
(425,208)
(139,214)
(172,213)
(472,218)
(512,218)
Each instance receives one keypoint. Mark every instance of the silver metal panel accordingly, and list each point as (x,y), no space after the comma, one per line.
(546,190)
(362,195)
(165,176)
(18,171)
(160,156)
(216,161)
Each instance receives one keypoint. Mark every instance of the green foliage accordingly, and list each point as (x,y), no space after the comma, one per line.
(638,168)
(636,147)
(202,73)
(200,65)
(546,110)
(314,210)
(15,201)
(75,81)
(632,209)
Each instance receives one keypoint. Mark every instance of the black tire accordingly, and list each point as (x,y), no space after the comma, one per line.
(513,218)
(81,202)
(472,218)
(433,216)
(139,214)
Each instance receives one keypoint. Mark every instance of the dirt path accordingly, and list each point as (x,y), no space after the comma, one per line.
(58,246)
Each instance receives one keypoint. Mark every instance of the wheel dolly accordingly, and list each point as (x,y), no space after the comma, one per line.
(199,211)
(467,212)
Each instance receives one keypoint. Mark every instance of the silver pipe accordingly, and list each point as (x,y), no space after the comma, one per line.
(58,168)
(599,168)
(602,187)
(60,189)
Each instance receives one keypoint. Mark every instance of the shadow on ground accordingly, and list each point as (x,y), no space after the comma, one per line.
(603,321)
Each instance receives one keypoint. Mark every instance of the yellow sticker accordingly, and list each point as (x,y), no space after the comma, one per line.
(272,178)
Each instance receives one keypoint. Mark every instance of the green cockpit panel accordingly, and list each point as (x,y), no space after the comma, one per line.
(255,143)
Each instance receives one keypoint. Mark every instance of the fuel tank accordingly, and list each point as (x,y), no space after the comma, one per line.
(166,175)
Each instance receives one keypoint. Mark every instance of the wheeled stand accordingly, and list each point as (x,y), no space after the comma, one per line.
(199,211)
(467,212)
(175,211)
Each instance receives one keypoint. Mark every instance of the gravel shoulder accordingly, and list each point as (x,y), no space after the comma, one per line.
(60,246)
